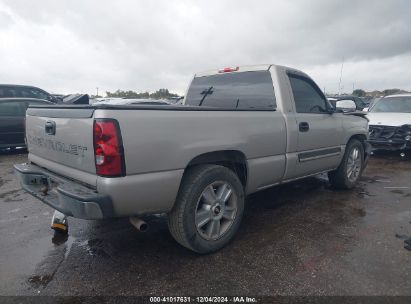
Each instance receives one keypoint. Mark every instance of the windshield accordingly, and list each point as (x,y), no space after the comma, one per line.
(393,104)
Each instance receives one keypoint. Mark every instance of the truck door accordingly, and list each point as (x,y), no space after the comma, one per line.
(319,131)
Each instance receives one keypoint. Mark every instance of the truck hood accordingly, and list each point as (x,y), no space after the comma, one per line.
(389,119)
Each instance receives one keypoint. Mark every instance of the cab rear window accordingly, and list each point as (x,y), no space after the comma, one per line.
(243,91)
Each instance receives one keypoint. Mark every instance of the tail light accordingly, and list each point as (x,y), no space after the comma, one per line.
(108,148)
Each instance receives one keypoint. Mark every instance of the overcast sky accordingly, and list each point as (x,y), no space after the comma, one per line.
(76,46)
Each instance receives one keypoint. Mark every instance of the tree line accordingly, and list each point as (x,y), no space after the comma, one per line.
(362,93)
(159,94)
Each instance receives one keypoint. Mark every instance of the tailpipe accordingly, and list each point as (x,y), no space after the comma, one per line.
(139,224)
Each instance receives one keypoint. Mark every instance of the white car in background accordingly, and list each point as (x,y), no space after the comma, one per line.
(390,123)
(130,101)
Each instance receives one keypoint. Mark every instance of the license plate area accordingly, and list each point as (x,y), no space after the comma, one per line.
(42,184)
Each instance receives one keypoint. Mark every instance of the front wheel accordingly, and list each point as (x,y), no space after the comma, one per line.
(208,209)
(349,171)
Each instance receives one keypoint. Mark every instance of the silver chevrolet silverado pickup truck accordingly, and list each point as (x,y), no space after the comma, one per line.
(239,130)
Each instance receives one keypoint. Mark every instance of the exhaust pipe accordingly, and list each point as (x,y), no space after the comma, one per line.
(139,224)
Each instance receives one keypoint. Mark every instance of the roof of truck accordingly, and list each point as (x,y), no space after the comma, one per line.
(246,68)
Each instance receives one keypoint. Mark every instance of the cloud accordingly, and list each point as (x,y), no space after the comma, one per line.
(5,20)
(71,46)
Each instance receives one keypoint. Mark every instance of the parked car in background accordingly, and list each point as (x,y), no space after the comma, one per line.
(390,123)
(59,96)
(76,99)
(239,130)
(176,100)
(131,101)
(23,91)
(12,120)
(371,103)
(345,105)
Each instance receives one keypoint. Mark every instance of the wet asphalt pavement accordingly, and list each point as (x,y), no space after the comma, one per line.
(303,238)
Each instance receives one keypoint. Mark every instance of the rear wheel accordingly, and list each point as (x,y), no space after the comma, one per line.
(351,167)
(208,209)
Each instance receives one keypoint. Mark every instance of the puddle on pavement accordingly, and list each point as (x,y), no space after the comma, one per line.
(57,251)
(94,247)
(40,280)
(59,238)
(10,195)
(402,236)
(26,258)
(362,192)
(360,211)
(375,179)
(397,191)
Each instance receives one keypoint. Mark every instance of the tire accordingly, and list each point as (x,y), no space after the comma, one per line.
(346,176)
(193,220)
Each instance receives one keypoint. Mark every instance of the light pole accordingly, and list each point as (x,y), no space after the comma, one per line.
(339,84)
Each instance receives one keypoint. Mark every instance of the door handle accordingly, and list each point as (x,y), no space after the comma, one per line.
(50,127)
(304,126)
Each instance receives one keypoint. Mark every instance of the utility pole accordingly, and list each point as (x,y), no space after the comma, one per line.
(97,91)
(339,84)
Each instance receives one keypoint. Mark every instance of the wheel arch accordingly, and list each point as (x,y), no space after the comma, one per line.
(363,139)
(360,137)
(232,159)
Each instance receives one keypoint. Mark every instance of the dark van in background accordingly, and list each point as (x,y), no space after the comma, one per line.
(24,91)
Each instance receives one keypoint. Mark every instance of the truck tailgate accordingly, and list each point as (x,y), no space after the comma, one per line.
(61,140)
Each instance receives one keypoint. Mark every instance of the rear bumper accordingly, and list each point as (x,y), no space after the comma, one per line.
(64,195)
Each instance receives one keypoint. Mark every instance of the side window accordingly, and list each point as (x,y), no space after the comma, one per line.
(307,96)
(13,108)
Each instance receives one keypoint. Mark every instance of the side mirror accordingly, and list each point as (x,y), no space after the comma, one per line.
(346,105)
